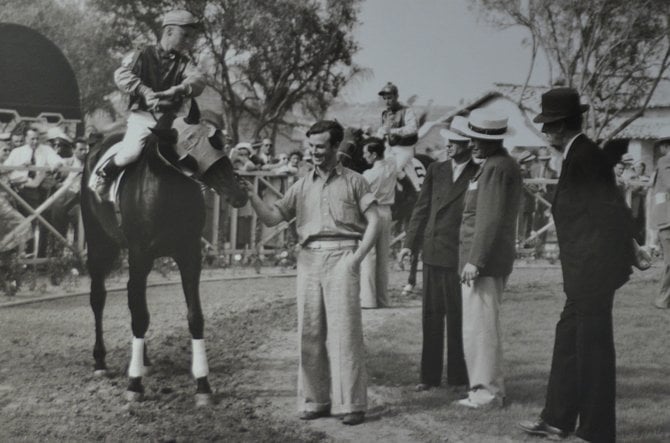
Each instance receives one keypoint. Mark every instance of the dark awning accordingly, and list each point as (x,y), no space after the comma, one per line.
(35,76)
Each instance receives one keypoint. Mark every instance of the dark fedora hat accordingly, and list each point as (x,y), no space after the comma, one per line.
(558,104)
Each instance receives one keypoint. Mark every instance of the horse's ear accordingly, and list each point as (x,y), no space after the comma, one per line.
(165,134)
(193,117)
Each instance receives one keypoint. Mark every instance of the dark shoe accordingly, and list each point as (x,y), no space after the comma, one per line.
(105,177)
(353,418)
(423,387)
(541,428)
(313,415)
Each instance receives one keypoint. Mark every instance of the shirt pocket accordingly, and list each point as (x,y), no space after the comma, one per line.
(345,212)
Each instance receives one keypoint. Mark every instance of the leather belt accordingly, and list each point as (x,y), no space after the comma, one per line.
(332,244)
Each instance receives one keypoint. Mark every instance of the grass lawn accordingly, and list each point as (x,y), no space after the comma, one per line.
(532,303)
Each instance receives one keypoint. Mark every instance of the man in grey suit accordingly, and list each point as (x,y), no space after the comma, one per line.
(487,252)
(433,228)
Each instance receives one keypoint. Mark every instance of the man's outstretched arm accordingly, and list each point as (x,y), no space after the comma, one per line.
(269,214)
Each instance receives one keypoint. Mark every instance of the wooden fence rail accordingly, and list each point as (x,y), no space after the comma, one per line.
(231,231)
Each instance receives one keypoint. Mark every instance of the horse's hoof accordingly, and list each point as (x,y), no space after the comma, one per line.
(408,289)
(203,400)
(100,373)
(134,397)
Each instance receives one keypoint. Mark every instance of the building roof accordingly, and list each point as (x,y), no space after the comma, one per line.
(525,132)
(644,128)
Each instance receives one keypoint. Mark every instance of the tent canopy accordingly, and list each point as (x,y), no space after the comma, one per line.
(36,77)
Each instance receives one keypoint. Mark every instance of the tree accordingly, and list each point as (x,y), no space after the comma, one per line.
(614,52)
(264,58)
(82,36)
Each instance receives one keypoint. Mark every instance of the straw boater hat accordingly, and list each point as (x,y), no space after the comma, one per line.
(559,104)
(454,133)
(486,124)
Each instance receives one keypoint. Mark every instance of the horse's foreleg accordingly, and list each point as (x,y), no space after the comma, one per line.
(97,299)
(189,263)
(139,267)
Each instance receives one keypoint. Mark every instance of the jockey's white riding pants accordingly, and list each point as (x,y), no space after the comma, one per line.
(129,149)
(402,155)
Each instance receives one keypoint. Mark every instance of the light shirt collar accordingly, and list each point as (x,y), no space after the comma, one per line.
(457,169)
(569,145)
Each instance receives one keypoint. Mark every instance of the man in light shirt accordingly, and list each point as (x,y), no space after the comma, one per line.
(29,182)
(375,266)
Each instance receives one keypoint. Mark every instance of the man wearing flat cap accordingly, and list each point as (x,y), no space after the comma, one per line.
(434,228)
(157,77)
(595,230)
(660,201)
(487,251)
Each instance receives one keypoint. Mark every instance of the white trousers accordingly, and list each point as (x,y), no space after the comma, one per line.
(375,265)
(402,155)
(129,149)
(482,344)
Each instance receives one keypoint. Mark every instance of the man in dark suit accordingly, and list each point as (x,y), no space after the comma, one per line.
(487,252)
(595,230)
(433,228)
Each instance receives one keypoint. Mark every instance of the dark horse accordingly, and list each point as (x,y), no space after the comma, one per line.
(162,213)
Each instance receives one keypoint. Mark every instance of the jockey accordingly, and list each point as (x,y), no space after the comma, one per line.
(156,77)
(399,130)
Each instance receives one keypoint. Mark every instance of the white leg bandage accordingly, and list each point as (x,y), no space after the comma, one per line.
(137,358)
(199,368)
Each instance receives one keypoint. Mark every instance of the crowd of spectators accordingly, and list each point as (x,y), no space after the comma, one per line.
(63,158)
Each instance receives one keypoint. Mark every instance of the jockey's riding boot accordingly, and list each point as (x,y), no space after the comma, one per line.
(106,175)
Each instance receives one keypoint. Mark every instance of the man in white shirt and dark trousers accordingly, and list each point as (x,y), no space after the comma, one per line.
(375,266)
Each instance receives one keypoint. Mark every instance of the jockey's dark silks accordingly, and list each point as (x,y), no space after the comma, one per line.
(159,69)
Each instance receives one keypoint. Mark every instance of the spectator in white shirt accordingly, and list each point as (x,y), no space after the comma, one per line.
(375,267)
(30,183)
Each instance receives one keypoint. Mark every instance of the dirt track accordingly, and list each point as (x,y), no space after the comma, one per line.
(48,391)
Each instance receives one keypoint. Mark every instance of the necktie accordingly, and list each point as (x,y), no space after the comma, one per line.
(31,174)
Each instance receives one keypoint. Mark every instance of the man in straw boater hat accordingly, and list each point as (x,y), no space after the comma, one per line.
(152,77)
(595,231)
(434,228)
(487,252)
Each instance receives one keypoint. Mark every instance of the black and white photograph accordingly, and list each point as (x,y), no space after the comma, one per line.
(334,221)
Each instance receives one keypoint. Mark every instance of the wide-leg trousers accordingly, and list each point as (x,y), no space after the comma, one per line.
(375,265)
(332,372)
(482,343)
(582,382)
(442,301)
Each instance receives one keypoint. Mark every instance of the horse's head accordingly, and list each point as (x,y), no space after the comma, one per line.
(200,144)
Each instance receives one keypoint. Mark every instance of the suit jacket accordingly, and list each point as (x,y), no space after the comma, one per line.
(594,225)
(660,199)
(436,218)
(488,229)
